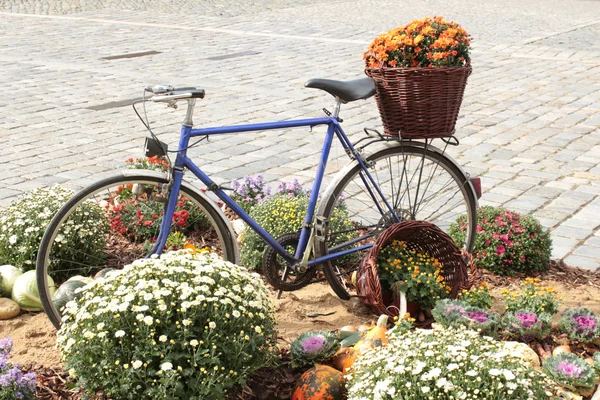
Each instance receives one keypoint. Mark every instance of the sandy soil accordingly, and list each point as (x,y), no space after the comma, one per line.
(35,337)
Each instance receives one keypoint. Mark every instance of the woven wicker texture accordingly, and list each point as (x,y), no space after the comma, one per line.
(421,236)
(419,103)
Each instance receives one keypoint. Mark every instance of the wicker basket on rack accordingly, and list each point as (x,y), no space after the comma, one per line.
(419,103)
(421,236)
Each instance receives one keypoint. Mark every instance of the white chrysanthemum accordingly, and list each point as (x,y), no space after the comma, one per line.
(166,366)
(136,364)
(120,333)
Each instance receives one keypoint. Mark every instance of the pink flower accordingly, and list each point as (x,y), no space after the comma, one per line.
(313,344)
(479,228)
(500,250)
(504,237)
(487,242)
(569,369)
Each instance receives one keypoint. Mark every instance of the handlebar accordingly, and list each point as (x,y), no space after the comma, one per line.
(167,93)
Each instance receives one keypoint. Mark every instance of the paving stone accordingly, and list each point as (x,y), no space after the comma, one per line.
(593,241)
(591,264)
(561,246)
(570,232)
(530,132)
(588,251)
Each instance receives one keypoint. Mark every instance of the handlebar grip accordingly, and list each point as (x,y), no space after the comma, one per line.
(159,89)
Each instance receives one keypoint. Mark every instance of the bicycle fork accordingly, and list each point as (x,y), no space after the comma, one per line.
(169,210)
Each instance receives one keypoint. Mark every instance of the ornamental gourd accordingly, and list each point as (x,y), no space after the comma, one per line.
(375,337)
(320,383)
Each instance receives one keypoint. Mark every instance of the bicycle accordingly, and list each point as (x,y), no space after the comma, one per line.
(401,179)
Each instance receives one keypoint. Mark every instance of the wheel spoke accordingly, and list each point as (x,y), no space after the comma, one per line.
(418,182)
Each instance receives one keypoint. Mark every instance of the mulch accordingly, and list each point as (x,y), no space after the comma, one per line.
(559,271)
(268,383)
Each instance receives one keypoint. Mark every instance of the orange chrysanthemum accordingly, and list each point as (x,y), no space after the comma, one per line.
(429,42)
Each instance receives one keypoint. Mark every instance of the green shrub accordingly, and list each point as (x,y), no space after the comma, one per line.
(178,326)
(80,242)
(506,242)
(285,214)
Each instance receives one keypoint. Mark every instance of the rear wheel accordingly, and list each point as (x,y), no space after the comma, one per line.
(417,181)
(126,213)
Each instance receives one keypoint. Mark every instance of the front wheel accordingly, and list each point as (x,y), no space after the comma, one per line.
(418,182)
(116,221)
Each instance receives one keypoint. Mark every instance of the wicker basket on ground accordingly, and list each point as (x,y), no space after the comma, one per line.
(421,236)
(419,103)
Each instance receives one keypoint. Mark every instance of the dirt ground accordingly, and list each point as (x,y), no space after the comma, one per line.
(35,338)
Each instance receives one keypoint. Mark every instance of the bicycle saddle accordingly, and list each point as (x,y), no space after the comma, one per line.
(347,91)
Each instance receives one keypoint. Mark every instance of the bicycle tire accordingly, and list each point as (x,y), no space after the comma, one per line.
(402,153)
(226,239)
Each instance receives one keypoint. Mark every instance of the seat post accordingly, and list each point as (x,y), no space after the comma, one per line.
(188,121)
(336,108)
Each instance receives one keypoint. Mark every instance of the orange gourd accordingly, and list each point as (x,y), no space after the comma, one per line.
(320,383)
(375,337)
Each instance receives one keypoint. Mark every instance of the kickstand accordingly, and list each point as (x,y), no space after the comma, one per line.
(283,278)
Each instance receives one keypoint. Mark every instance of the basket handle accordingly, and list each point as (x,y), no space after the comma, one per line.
(403,304)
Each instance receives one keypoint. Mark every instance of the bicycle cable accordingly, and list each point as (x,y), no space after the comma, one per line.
(147,125)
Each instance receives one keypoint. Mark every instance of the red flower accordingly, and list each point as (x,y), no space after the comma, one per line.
(184,214)
(500,250)
(147,223)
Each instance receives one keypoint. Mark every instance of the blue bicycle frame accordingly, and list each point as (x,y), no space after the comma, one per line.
(333,128)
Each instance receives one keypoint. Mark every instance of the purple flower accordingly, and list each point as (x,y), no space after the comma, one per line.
(242,190)
(260,180)
(6,345)
(478,316)
(313,344)
(527,319)
(235,184)
(267,191)
(585,322)
(569,369)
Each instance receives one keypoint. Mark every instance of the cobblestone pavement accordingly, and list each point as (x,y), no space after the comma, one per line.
(529,123)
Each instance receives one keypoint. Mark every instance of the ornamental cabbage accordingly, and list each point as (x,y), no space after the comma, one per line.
(8,276)
(25,291)
(313,347)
